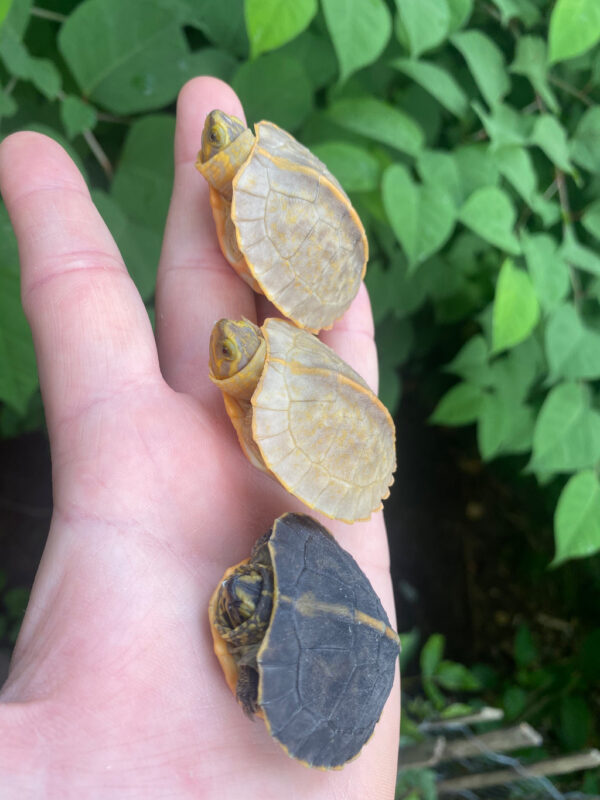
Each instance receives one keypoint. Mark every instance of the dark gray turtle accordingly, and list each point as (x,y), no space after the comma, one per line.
(305,643)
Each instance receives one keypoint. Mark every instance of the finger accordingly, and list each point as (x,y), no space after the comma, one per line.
(90,329)
(352,338)
(196,286)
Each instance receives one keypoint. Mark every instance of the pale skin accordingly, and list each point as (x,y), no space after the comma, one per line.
(114,690)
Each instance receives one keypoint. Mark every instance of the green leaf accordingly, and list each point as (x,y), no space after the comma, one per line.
(591,219)
(549,134)
(271,23)
(222,23)
(504,125)
(214,62)
(395,339)
(516,308)
(384,286)
(438,167)
(476,167)
(573,351)
(18,372)
(431,654)
(421,780)
(14,54)
(505,426)
(574,28)
(518,9)
(359,29)
(567,431)
(317,55)
(8,106)
(492,426)
(435,80)
(526,652)
(4,9)
(585,143)
(514,701)
(45,76)
(460,11)
(17,18)
(471,362)
(486,64)
(516,166)
(577,518)
(407,291)
(427,23)
(378,121)
(354,167)
(530,60)
(577,255)
(144,178)
(40,71)
(409,644)
(138,244)
(127,57)
(422,216)
(458,709)
(76,116)
(549,272)
(274,87)
(456,677)
(460,405)
(514,374)
(490,213)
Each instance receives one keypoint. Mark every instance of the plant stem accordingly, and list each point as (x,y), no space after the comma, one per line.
(99,153)
(563,197)
(566,87)
(45,14)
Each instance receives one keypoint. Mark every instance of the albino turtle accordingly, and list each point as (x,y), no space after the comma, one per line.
(304,416)
(283,221)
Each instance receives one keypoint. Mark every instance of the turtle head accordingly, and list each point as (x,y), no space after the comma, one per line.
(239,597)
(220,130)
(237,356)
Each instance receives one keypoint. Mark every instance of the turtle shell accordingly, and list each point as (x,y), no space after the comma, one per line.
(320,430)
(304,244)
(327,660)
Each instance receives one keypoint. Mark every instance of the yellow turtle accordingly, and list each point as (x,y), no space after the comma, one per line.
(304,416)
(283,221)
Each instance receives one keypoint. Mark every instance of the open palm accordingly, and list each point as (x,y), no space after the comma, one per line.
(114,690)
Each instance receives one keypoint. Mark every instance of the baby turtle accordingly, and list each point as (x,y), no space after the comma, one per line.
(304,642)
(283,221)
(304,416)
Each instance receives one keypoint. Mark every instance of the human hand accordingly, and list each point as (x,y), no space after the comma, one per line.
(114,690)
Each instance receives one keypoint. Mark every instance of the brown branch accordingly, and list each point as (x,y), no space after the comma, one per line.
(566,87)
(563,197)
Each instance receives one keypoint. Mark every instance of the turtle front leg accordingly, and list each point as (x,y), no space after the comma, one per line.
(246,690)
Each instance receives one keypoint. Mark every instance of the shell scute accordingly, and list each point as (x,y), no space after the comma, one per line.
(313,231)
(332,443)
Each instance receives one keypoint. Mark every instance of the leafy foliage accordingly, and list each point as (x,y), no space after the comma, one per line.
(468,134)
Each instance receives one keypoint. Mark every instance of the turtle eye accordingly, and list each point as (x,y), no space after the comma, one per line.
(217,136)
(227,350)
